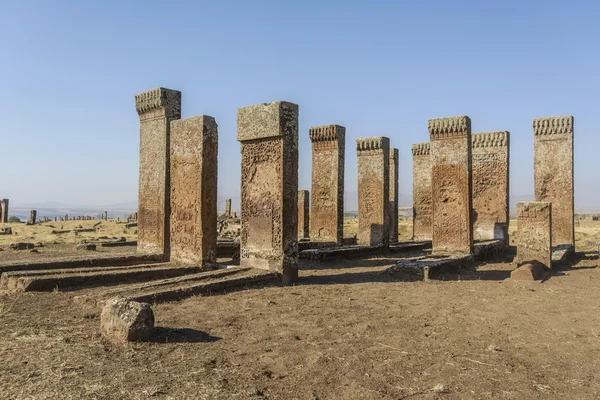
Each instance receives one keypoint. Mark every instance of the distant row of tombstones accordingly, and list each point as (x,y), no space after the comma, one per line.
(33,216)
(460,183)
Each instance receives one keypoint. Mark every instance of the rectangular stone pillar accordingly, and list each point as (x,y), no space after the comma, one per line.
(373,154)
(4,211)
(327,203)
(32,217)
(228,207)
(490,163)
(534,232)
(450,142)
(393,197)
(194,148)
(156,109)
(268,134)
(303,214)
(553,173)
(422,163)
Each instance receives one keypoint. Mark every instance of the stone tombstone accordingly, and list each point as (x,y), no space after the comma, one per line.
(373,154)
(421,191)
(156,109)
(327,202)
(450,144)
(268,136)
(393,196)
(490,162)
(32,217)
(194,190)
(534,232)
(303,214)
(553,173)
(228,207)
(3,211)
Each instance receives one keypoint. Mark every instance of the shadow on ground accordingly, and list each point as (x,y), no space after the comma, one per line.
(181,335)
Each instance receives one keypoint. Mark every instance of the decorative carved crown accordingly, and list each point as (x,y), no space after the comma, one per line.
(490,139)
(326,133)
(372,143)
(420,149)
(553,125)
(157,98)
(442,128)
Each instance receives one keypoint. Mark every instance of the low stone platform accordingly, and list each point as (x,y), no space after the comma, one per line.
(561,254)
(425,267)
(201,283)
(227,248)
(82,262)
(52,280)
(360,251)
(119,244)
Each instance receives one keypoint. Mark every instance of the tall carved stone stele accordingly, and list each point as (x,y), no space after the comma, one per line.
(4,211)
(393,196)
(373,154)
(156,109)
(490,162)
(553,173)
(32,217)
(194,190)
(268,134)
(422,163)
(534,237)
(327,203)
(450,142)
(228,207)
(303,214)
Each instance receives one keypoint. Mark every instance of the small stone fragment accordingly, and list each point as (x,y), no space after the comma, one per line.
(123,320)
(21,246)
(529,272)
(86,246)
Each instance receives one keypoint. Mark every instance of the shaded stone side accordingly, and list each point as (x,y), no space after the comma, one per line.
(156,109)
(194,149)
(422,163)
(393,196)
(303,214)
(3,211)
(373,154)
(553,173)
(534,232)
(450,143)
(490,163)
(268,134)
(327,202)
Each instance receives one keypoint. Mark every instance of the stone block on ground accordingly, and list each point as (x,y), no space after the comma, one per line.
(123,320)
(529,272)
(86,246)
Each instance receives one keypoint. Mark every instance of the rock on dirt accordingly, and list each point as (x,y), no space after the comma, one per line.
(86,246)
(21,246)
(123,320)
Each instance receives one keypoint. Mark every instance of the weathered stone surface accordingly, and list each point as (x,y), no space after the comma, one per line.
(490,162)
(327,203)
(228,207)
(21,246)
(123,321)
(3,211)
(450,142)
(268,134)
(373,155)
(303,214)
(393,196)
(532,271)
(534,233)
(422,164)
(86,246)
(194,148)
(32,217)
(156,109)
(553,173)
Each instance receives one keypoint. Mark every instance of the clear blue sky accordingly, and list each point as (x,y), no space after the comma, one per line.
(70,70)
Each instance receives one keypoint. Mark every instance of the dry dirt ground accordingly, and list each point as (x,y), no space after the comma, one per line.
(345,331)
